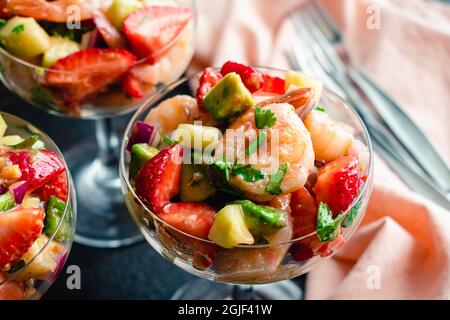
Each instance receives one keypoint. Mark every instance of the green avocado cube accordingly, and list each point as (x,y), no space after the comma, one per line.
(140,154)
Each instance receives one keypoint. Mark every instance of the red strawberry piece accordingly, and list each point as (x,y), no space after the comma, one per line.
(151,31)
(37,167)
(207,81)
(327,249)
(12,290)
(273,84)
(56,187)
(19,229)
(252,79)
(195,218)
(108,31)
(159,179)
(86,73)
(338,183)
(132,86)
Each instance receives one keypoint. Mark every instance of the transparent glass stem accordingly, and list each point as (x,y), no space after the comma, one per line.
(243,292)
(107,142)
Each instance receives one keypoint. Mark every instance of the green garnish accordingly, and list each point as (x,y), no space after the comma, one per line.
(274,185)
(18,29)
(320,108)
(224,166)
(7,202)
(256,144)
(264,118)
(328,228)
(31,142)
(351,216)
(2,22)
(167,140)
(247,172)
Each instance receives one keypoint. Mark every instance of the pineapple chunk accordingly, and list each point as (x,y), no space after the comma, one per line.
(120,9)
(229,228)
(59,48)
(10,140)
(197,137)
(300,80)
(3,126)
(24,37)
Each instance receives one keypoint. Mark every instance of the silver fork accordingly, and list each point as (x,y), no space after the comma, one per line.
(395,136)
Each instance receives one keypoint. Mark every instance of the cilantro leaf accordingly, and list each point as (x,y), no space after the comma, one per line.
(264,118)
(274,185)
(167,140)
(254,146)
(18,29)
(223,166)
(320,108)
(248,173)
(328,228)
(351,216)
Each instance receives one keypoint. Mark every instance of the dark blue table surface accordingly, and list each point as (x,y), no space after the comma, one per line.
(135,272)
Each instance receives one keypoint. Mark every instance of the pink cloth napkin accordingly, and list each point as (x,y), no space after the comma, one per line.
(402,248)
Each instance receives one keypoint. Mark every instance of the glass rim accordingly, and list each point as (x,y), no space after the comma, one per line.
(167,89)
(70,190)
(138,62)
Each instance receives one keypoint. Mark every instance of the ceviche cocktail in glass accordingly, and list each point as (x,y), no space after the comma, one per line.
(246,176)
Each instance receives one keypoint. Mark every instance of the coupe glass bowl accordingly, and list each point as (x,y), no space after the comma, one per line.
(35,288)
(245,264)
(94,160)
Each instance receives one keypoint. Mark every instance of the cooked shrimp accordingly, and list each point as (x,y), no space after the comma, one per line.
(330,139)
(288,142)
(303,100)
(54,11)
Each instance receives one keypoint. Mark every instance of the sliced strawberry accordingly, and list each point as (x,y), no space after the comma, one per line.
(86,73)
(327,249)
(151,31)
(195,219)
(273,84)
(12,290)
(132,86)
(252,79)
(19,229)
(56,187)
(207,81)
(338,183)
(159,179)
(108,31)
(37,167)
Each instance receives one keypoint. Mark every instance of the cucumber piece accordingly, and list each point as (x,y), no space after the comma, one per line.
(24,37)
(7,202)
(229,228)
(11,141)
(228,98)
(53,216)
(261,220)
(59,49)
(197,137)
(31,202)
(120,9)
(3,126)
(140,154)
(195,185)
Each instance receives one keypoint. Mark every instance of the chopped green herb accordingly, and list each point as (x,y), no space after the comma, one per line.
(247,172)
(264,118)
(351,216)
(256,144)
(18,29)
(274,185)
(320,108)
(328,228)
(31,142)
(223,166)
(167,140)
(2,22)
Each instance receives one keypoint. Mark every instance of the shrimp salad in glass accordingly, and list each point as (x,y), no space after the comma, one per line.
(245,168)
(35,216)
(78,50)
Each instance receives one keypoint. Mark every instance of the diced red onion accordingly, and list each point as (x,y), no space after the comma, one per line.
(19,190)
(142,133)
(3,190)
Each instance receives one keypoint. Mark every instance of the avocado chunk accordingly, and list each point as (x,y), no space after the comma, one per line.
(228,98)
(229,228)
(3,126)
(140,154)
(196,136)
(11,141)
(59,48)
(24,37)
(120,9)
(31,142)
(195,185)
(7,202)
(261,220)
(54,215)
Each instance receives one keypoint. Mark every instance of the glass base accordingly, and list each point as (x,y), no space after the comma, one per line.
(200,289)
(103,219)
